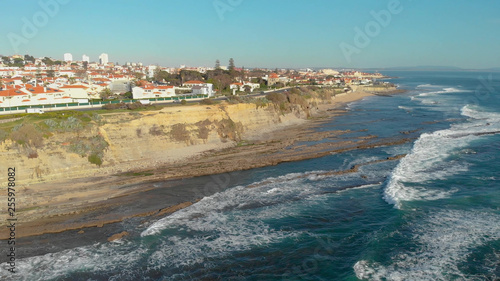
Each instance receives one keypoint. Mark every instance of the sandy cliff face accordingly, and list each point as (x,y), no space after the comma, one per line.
(146,140)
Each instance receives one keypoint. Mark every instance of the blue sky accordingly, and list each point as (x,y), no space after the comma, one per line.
(258,33)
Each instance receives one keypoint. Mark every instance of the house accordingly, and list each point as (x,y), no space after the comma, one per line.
(151,91)
(236,86)
(75,91)
(243,86)
(12,97)
(206,90)
(273,79)
(30,95)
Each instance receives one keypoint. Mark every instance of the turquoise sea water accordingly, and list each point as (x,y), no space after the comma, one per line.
(433,215)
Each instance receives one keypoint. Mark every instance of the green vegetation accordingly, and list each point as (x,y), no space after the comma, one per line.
(92,147)
(207,102)
(29,132)
(27,135)
(95,159)
(129,106)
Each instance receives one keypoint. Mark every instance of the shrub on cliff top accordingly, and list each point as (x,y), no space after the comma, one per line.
(3,135)
(92,147)
(207,102)
(276,98)
(27,134)
(234,99)
(95,159)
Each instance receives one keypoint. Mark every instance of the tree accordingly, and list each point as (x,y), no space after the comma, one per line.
(231,64)
(138,75)
(156,74)
(128,95)
(85,65)
(29,58)
(51,73)
(105,94)
(47,61)
(187,75)
(19,62)
(217,64)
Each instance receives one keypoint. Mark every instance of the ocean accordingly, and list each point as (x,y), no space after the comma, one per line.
(432,215)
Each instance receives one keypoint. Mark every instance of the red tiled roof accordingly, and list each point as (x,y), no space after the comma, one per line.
(73,87)
(11,93)
(41,90)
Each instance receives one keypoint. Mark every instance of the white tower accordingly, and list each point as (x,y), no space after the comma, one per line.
(85,58)
(103,59)
(68,57)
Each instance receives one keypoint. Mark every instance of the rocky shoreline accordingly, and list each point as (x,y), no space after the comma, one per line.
(272,148)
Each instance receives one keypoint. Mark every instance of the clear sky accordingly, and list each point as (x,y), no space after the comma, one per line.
(258,33)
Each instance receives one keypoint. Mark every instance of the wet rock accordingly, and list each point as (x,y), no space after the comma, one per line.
(118,236)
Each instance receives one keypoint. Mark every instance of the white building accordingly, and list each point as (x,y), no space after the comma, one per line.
(151,70)
(85,58)
(68,57)
(75,91)
(206,90)
(242,86)
(37,95)
(103,59)
(150,91)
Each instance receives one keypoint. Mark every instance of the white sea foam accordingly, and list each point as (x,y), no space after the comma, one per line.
(94,258)
(475,112)
(431,97)
(443,241)
(407,108)
(229,221)
(428,86)
(444,91)
(428,159)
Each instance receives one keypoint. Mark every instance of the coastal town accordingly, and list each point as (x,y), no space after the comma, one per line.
(27,82)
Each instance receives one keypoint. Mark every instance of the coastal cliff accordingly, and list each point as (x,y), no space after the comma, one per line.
(142,140)
(70,165)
